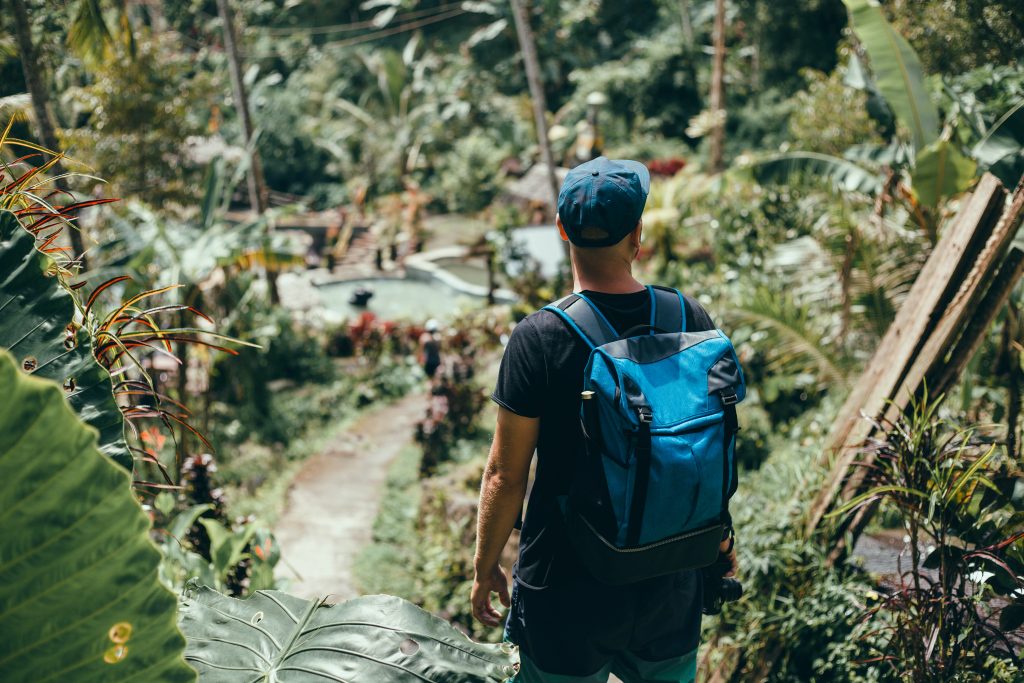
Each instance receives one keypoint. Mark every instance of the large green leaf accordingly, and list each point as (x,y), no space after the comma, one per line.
(1001,151)
(843,174)
(35,312)
(941,171)
(273,636)
(79,595)
(897,70)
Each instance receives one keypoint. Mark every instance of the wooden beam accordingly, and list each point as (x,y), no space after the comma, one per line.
(944,374)
(954,316)
(936,285)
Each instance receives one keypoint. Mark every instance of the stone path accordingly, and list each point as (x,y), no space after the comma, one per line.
(334,499)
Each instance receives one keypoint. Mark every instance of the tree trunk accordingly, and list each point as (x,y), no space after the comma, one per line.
(686,22)
(529,50)
(45,127)
(716,151)
(257,185)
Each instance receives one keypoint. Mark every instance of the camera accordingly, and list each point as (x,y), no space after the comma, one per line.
(718,589)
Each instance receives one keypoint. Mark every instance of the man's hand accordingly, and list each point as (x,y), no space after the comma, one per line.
(727,549)
(485,583)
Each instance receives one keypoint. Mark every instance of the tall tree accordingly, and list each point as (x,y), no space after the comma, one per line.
(529,51)
(258,196)
(40,95)
(717,143)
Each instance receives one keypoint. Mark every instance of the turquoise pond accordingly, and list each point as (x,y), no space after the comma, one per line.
(396,299)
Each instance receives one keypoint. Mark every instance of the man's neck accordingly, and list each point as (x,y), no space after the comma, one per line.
(614,282)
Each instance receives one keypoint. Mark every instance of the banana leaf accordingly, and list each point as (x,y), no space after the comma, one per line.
(1001,151)
(843,174)
(37,325)
(897,71)
(273,636)
(941,171)
(79,595)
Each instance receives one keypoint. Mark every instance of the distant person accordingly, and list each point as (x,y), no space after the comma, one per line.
(430,348)
(610,575)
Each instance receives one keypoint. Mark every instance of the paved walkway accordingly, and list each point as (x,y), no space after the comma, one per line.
(334,499)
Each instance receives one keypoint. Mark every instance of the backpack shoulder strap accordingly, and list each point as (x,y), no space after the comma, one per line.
(668,311)
(585,318)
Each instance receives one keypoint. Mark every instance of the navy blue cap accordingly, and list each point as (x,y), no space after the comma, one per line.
(602,200)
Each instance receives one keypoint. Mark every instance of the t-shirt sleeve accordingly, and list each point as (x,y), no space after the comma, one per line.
(523,376)
(697,318)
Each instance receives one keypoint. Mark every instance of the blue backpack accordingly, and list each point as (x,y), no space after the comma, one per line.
(658,413)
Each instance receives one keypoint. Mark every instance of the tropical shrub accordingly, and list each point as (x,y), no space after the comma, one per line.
(798,619)
(957,607)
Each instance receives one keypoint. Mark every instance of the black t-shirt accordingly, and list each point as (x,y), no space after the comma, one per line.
(541,375)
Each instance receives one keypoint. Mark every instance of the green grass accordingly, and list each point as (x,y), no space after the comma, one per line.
(387,564)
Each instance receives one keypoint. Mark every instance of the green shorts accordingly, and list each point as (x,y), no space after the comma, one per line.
(628,668)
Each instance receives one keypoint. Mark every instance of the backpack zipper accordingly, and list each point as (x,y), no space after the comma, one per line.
(641,548)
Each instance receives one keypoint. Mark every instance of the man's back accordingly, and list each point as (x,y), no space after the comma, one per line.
(541,376)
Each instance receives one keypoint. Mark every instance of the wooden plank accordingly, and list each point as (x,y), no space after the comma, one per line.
(964,307)
(943,375)
(959,239)
(936,285)
(952,323)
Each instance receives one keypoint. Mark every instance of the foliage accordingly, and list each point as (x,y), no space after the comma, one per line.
(155,85)
(955,37)
(80,597)
(897,70)
(955,500)
(237,559)
(379,638)
(456,398)
(798,619)
(829,117)
(40,326)
(469,176)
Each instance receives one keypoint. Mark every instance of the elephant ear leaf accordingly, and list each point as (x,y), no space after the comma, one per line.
(38,326)
(897,70)
(79,595)
(278,637)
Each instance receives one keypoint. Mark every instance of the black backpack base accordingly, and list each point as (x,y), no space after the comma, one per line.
(617,566)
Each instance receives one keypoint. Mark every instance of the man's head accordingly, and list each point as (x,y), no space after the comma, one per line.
(600,205)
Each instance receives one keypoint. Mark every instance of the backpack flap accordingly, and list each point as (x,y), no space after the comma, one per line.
(685,375)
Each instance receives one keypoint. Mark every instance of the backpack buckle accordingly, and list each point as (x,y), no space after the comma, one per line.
(646,414)
(728,399)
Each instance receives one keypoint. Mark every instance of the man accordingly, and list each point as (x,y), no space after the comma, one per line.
(570,627)
(430,348)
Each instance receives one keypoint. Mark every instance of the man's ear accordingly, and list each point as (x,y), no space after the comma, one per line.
(561,228)
(638,231)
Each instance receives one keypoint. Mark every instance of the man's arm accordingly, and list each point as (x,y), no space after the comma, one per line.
(501,499)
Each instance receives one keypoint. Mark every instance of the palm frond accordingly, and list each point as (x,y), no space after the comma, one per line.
(786,334)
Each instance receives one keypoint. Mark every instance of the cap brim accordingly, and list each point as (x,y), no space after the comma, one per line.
(640,170)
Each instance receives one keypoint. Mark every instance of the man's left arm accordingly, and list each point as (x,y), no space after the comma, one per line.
(501,498)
